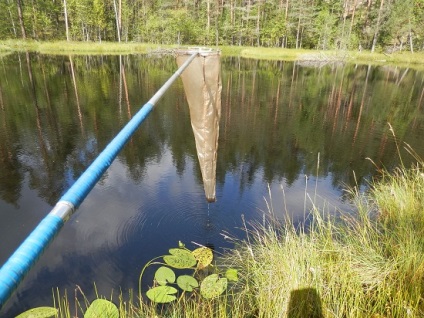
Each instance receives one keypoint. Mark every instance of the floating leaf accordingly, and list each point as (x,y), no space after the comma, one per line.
(102,308)
(39,312)
(180,258)
(232,275)
(164,275)
(187,283)
(213,286)
(181,244)
(204,256)
(162,294)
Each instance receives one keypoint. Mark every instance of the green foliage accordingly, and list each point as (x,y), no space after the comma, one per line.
(200,259)
(180,258)
(162,294)
(39,312)
(164,275)
(213,286)
(274,23)
(232,275)
(187,283)
(325,29)
(204,257)
(102,308)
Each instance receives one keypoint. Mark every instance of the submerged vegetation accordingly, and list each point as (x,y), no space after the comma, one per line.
(367,264)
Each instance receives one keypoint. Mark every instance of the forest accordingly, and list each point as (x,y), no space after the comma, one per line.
(376,25)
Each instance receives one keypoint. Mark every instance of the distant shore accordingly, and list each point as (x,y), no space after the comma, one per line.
(405,59)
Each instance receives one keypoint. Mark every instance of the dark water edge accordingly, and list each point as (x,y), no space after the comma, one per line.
(299,129)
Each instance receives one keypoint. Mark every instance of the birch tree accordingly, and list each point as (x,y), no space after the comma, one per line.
(21,19)
(377,26)
(65,13)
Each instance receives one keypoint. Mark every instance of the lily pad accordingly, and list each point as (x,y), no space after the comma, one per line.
(204,256)
(39,312)
(232,275)
(102,308)
(162,294)
(180,258)
(213,286)
(187,283)
(164,275)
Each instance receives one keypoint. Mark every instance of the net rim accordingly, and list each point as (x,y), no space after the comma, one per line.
(203,51)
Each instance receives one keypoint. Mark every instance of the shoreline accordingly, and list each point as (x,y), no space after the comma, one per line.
(405,59)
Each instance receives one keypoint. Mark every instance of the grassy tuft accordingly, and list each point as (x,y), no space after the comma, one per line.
(369,265)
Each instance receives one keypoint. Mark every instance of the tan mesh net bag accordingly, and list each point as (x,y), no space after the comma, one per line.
(202,85)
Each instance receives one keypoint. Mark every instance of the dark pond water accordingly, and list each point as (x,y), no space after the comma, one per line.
(289,130)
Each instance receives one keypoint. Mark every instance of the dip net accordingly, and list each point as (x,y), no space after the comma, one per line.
(202,86)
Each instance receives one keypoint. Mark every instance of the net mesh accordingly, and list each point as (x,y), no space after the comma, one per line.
(202,86)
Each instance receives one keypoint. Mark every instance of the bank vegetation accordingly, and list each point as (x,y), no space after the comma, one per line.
(314,57)
(373,25)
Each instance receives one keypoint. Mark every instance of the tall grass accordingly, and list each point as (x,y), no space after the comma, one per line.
(369,265)
(86,48)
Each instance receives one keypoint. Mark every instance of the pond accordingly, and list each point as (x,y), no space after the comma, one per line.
(290,136)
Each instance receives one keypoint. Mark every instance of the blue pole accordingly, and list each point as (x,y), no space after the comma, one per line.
(21,261)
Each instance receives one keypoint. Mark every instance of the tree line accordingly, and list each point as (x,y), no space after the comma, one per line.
(312,24)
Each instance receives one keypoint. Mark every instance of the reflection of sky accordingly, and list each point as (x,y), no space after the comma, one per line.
(122,224)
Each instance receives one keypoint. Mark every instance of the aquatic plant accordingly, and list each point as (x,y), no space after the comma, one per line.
(181,258)
(98,308)
(39,312)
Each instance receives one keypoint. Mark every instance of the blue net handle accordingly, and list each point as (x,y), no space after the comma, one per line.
(27,254)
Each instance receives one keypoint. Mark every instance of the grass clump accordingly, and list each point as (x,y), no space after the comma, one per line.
(368,265)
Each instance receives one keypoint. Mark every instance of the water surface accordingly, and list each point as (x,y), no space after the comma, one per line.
(289,135)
